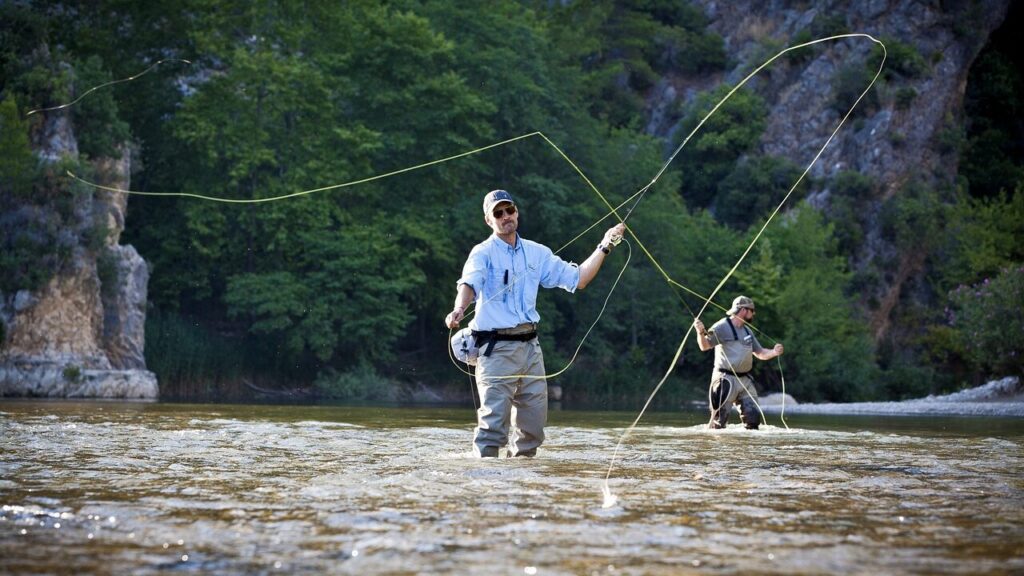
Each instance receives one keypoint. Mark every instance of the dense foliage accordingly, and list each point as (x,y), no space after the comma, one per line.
(345,289)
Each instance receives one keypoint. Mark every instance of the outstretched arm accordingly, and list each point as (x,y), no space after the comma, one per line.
(590,266)
(462,300)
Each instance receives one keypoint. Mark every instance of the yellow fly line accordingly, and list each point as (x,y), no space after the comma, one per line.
(104,85)
(613,211)
(609,498)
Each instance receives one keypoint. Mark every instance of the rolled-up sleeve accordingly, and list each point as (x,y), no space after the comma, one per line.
(556,272)
(713,335)
(474,272)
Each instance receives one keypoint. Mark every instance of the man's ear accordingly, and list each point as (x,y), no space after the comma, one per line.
(487,220)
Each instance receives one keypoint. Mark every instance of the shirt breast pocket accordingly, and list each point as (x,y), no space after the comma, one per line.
(497,280)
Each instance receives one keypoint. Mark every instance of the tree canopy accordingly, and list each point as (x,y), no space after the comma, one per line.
(348,286)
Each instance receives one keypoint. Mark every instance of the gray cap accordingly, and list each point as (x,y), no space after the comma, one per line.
(740,302)
(495,197)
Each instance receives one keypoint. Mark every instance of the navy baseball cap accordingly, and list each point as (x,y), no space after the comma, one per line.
(495,197)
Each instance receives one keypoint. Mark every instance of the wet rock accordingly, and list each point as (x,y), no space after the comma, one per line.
(777,399)
(55,380)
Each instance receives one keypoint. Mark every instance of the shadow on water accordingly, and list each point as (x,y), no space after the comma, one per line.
(115,487)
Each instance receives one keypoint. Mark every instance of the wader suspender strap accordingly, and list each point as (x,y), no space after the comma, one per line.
(736,336)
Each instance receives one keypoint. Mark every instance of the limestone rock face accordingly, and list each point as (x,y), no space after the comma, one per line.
(892,143)
(124,310)
(82,334)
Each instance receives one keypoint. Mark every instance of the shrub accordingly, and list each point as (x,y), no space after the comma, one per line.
(850,81)
(952,137)
(182,354)
(361,383)
(904,97)
(72,373)
(902,60)
(989,317)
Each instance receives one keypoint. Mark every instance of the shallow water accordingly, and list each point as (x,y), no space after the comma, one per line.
(96,487)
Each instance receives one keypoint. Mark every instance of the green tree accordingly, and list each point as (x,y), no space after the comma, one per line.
(624,47)
(993,102)
(754,188)
(983,237)
(849,199)
(17,163)
(828,350)
(710,156)
(989,320)
(97,120)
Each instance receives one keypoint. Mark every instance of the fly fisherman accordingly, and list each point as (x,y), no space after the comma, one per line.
(735,346)
(502,274)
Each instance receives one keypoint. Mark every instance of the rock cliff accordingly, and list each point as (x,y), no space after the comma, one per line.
(900,134)
(82,334)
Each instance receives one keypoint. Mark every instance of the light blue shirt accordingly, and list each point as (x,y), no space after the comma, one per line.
(506,280)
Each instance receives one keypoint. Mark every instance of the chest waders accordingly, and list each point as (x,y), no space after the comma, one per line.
(722,393)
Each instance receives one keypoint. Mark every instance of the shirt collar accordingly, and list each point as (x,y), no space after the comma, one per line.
(502,244)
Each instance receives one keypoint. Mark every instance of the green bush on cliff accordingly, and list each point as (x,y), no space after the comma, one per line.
(901,59)
(847,86)
(17,163)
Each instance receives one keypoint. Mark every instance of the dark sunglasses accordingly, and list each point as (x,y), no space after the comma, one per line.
(752,311)
(499,212)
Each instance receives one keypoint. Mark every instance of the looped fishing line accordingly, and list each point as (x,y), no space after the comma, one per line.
(609,498)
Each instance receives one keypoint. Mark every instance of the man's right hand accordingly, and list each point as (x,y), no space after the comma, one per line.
(698,326)
(453,318)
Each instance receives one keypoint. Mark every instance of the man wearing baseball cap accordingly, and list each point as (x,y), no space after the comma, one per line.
(503,275)
(735,347)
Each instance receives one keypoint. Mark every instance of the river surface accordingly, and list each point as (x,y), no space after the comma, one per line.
(118,488)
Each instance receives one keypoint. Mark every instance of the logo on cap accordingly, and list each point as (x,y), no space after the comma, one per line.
(495,197)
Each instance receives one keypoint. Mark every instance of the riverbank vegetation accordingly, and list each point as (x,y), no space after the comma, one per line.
(343,291)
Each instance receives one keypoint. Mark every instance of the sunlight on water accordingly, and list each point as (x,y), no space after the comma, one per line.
(141,488)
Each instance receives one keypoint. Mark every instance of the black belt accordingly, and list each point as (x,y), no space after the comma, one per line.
(737,374)
(490,337)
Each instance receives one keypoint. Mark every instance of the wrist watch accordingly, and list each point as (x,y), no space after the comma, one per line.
(603,248)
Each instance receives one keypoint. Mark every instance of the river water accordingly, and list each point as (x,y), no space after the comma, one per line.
(117,488)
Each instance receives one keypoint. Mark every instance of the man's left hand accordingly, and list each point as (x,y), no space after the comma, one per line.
(778,349)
